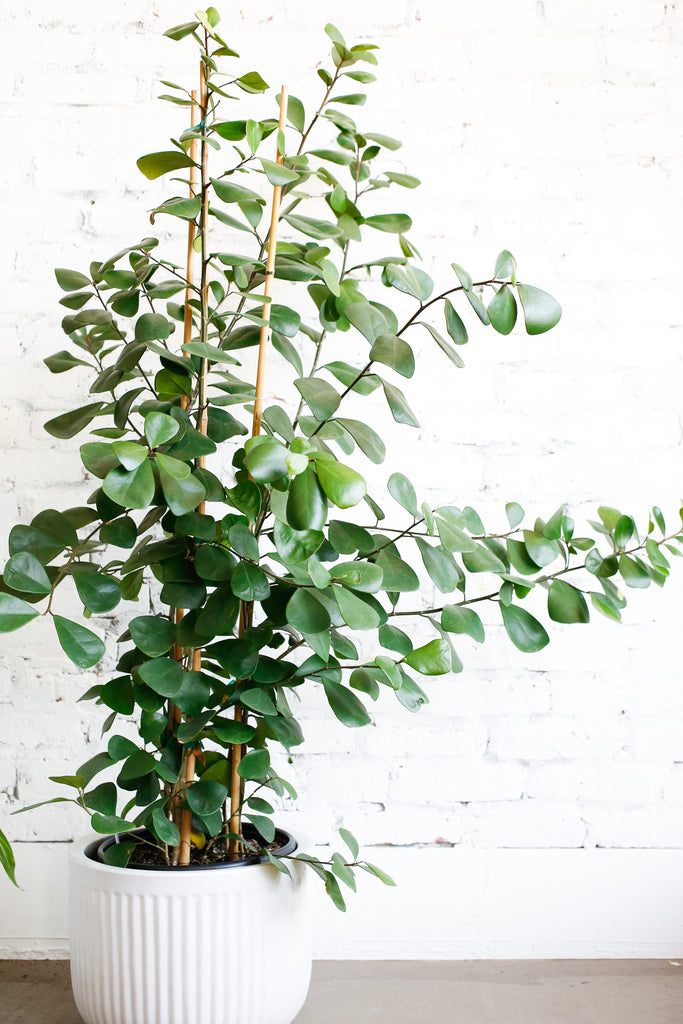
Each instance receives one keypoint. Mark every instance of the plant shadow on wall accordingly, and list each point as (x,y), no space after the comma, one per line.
(266,581)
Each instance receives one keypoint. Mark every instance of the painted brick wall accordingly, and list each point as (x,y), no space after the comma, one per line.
(548,128)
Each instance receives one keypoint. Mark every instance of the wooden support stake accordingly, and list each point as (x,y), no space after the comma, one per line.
(185,845)
(268,287)
(247,607)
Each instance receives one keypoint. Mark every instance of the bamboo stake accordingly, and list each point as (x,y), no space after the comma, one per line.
(185,845)
(174,714)
(268,287)
(247,607)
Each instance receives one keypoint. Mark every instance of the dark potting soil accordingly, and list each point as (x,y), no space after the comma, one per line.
(147,855)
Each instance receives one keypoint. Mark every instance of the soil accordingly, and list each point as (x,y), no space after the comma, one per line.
(152,856)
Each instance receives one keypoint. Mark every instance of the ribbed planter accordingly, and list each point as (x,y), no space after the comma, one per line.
(221,945)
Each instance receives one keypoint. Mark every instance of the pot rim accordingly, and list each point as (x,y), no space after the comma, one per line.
(85,849)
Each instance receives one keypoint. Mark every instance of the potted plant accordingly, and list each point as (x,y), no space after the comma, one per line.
(250,525)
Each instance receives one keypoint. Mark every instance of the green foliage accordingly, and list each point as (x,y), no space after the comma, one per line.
(272,579)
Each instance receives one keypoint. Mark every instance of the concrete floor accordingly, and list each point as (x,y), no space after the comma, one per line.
(421,992)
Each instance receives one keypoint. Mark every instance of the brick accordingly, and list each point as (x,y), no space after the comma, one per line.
(526,823)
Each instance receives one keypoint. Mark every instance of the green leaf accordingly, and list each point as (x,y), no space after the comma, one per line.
(182,492)
(137,765)
(441,568)
(345,705)
(526,632)
(566,603)
(165,831)
(541,550)
(434,659)
(97,591)
(23,572)
(153,165)
(358,575)
(634,573)
(267,461)
(515,514)
(332,885)
(152,327)
(252,83)
(243,541)
(478,306)
(394,223)
(506,265)
(250,583)
(102,798)
(14,613)
(398,576)
(295,545)
(71,423)
(482,560)
(382,140)
(463,277)
(502,310)
(334,156)
(601,602)
(351,842)
(180,31)
(259,701)
(394,352)
(277,174)
(541,310)
(295,113)
(152,634)
(312,227)
(370,443)
(231,192)
(366,319)
(71,280)
(254,765)
(445,346)
(306,613)
(130,488)
(406,180)
(284,320)
(394,639)
(109,824)
(398,405)
(408,279)
(455,619)
(342,485)
(205,797)
(62,361)
(163,675)
(320,397)
(454,325)
(129,454)
(378,873)
(623,531)
(118,695)
(160,428)
(453,538)
(78,643)
(306,509)
(401,489)
(355,612)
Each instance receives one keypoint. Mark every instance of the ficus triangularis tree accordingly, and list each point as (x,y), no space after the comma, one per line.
(266,580)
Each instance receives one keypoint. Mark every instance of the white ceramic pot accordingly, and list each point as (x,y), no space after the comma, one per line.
(220,945)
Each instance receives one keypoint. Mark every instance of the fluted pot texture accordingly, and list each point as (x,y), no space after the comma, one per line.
(222,945)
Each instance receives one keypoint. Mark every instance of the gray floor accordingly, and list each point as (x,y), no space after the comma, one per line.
(420,992)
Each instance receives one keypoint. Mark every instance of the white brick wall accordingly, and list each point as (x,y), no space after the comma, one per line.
(548,128)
